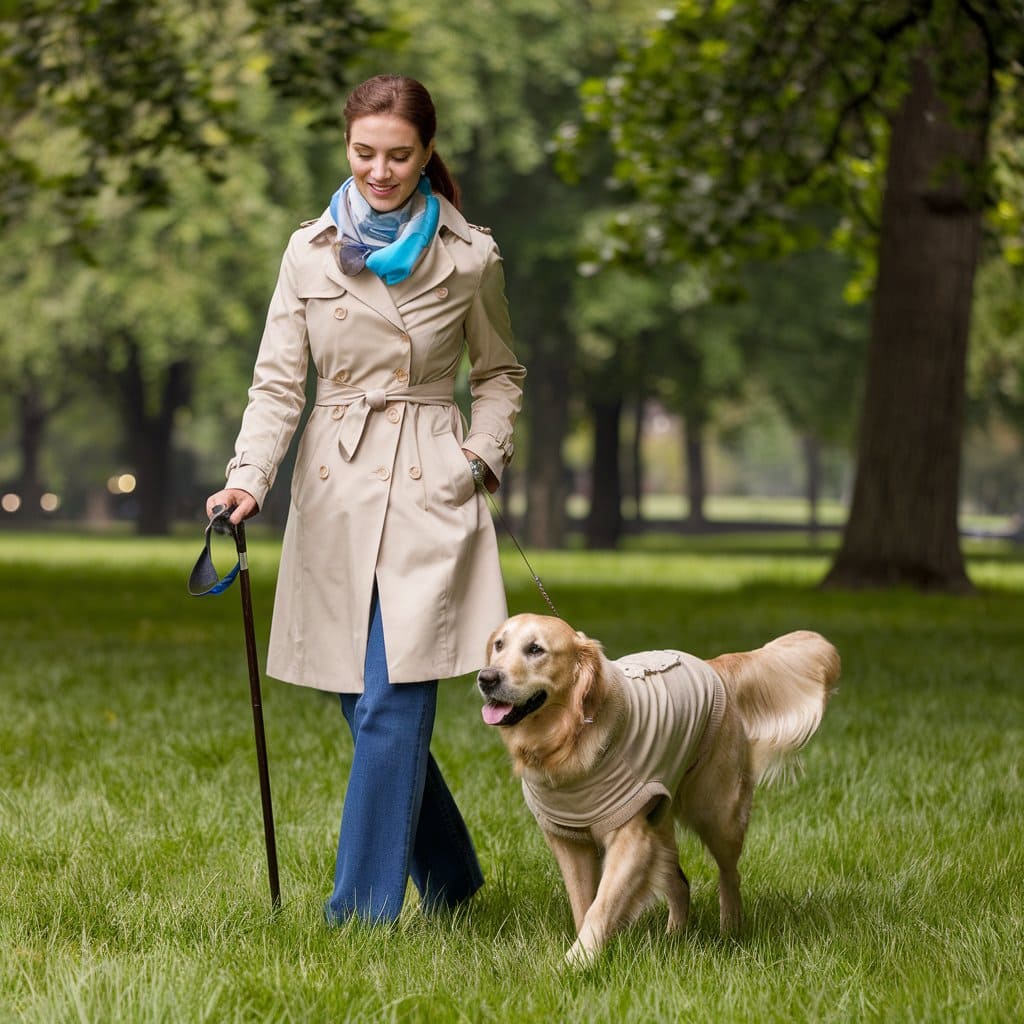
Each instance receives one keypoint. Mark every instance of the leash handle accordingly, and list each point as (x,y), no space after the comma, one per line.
(204,580)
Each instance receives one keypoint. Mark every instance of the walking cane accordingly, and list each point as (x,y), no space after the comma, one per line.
(204,581)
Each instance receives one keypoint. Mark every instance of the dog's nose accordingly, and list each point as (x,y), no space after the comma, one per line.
(488,679)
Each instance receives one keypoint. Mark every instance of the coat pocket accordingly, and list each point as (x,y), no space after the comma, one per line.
(452,478)
(315,457)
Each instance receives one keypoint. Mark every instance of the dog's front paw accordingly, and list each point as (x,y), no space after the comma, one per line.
(579,958)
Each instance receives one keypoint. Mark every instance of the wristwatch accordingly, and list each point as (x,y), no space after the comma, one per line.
(479,470)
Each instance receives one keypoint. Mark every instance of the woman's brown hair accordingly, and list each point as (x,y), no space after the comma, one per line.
(408,99)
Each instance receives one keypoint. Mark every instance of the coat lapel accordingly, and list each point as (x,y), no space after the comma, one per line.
(367,287)
(435,266)
(437,263)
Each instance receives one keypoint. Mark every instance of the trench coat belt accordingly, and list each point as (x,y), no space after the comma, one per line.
(361,403)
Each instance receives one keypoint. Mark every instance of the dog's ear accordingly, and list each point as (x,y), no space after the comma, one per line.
(588,686)
(490,646)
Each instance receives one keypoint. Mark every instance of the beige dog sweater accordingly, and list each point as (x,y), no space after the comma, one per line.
(674,705)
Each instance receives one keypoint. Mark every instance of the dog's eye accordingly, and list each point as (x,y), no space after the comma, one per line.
(535,649)
(498,644)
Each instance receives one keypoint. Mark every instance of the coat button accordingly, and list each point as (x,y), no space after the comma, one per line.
(382,473)
(442,292)
(401,376)
(324,472)
(393,414)
(341,376)
(340,313)
(404,335)
(414,472)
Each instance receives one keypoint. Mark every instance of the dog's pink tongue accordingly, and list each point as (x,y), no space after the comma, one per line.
(494,713)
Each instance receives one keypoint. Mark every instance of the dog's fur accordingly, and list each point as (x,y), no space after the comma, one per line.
(775,698)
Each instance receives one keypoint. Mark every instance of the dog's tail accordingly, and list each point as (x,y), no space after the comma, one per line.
(781,691)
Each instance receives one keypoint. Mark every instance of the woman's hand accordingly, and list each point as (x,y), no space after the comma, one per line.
(490,480)
(243,503)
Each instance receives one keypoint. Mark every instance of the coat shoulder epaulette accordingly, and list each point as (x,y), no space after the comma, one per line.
(307,223)
(477,227)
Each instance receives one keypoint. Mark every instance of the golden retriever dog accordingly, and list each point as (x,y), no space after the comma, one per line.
(612,754)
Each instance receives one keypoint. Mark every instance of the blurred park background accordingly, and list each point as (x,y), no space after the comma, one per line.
(765,263)
(765,260)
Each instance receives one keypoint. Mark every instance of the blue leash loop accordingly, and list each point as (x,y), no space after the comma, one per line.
(204,580)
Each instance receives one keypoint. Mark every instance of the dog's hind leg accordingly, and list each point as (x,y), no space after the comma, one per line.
(722,828)
(726,851)
(670,879)
(716,806)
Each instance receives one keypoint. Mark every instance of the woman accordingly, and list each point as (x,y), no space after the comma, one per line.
(389,574)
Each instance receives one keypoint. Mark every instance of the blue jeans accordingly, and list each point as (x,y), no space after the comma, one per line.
(399,818)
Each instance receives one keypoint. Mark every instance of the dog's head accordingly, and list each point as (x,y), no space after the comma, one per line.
(540,679)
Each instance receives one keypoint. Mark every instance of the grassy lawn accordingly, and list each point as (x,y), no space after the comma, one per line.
(884,885)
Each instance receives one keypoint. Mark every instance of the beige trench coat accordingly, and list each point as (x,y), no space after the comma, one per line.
(381,487)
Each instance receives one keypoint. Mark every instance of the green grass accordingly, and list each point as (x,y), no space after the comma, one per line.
(884,885)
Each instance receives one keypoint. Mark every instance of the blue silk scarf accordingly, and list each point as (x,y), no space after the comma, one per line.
(391,243)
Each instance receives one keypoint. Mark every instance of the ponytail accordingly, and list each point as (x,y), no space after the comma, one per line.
(442,181)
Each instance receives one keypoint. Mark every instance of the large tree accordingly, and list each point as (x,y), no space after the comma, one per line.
(737,116)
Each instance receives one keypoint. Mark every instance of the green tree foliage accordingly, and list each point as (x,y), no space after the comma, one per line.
(805,347)
(804,342)
(162,321)
(96,92)
(996,366)
(736,118)
(152,161)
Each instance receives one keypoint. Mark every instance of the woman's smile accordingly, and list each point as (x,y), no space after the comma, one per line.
(380,189)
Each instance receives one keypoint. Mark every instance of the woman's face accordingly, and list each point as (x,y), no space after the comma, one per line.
(386,157)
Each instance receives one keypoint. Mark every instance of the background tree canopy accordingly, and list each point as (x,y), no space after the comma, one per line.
(734,119)
(653,177)
(97,92)
(150,155)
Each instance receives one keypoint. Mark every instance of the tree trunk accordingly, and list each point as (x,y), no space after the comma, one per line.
(150,431)
(902,528)
(33,414)
(547,395)
(696,486)
(604,523)
(635,473)
(812,462)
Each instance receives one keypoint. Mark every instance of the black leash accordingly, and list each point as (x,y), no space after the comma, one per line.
(508,530)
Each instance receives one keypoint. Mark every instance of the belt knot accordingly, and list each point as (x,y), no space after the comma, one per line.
(359,404)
